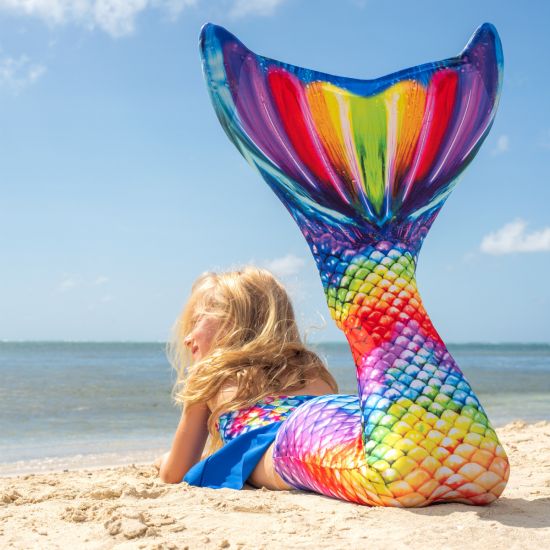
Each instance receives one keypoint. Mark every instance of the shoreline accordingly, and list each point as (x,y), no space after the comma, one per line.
(139,455)
(129,507)
(78,462)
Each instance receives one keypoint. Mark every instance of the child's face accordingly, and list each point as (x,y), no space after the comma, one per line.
(199,341)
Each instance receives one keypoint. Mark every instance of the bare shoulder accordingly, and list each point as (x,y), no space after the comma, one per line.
(225,395)
(315,387)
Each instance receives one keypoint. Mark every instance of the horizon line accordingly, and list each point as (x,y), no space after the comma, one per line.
(327,342)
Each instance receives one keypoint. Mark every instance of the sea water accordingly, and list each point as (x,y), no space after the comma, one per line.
(67,405)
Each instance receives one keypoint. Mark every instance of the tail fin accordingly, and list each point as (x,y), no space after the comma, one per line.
(372,155)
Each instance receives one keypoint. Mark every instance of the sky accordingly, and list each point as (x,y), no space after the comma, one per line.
(118,186)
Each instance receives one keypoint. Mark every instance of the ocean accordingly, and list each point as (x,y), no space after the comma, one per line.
(75,404)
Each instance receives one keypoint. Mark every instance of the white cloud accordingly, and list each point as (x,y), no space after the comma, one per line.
(513,238)
(242,8)
(116,17)
(502,146)
(286,266)
(101,280)
(174,7)
(66,284)
(16,74)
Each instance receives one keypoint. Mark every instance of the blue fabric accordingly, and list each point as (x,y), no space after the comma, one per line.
(232,465)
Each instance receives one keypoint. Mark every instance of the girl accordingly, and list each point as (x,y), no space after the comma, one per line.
(242,370)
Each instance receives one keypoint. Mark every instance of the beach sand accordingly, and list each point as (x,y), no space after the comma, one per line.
(128,507)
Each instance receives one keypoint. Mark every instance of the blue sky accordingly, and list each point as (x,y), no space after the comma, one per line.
(118,186)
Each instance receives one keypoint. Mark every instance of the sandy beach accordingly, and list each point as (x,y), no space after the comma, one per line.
(128,507)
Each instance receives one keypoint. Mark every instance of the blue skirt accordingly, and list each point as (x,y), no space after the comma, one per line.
(232,465)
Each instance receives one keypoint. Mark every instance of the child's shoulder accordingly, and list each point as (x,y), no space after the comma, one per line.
(226,394)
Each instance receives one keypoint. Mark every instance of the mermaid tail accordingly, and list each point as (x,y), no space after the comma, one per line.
(364,166)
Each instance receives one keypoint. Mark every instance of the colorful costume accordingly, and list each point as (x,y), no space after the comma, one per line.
(246,434)
(364,166)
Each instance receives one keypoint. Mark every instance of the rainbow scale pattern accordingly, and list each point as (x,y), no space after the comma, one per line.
(266,411)
(416,434)
(364,167)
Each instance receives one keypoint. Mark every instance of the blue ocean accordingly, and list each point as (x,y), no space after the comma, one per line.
(71,404)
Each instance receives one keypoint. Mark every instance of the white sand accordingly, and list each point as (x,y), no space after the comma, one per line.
(128,507)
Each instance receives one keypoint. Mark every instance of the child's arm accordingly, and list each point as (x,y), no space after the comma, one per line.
(187,445)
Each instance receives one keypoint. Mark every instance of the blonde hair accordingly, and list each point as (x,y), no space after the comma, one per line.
(257,348)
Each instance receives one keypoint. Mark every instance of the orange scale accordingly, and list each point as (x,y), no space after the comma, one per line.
(400,488)
(351,322)
(412,500)
(417,478)
(489,445)
(389,501)
(455,481)
(440,493)
(500,466)
(370,301)
(483,458)
(455,462)
(430,465)
(442,474)
(382,306)
(464,450)
(499,488)
(469,490)
(500,452)
(428,488)
(488,480)
(369,498)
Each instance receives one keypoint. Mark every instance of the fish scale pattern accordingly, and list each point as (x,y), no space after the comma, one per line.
(416,433)
(364,167)
(414,459)
(273,408)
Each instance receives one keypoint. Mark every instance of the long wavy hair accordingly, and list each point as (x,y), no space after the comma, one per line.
(257,349)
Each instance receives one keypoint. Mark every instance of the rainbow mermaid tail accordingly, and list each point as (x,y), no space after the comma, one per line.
(364,166)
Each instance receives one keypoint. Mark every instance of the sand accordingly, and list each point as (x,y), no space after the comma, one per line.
(128,507)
